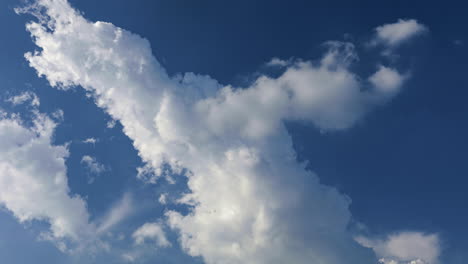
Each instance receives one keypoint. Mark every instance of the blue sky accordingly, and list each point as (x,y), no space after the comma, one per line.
(233,132)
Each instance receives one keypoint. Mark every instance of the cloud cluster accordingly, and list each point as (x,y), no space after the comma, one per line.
(405,248)
(251,201)
(33,181)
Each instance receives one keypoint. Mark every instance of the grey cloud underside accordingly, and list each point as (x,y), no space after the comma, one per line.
(252,201)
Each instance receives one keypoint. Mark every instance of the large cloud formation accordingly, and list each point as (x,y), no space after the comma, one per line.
(251,201)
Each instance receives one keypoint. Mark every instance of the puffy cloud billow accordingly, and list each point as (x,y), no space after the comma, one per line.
(395,34)
(152,232)
(33,181)
(405,248)
(251,201)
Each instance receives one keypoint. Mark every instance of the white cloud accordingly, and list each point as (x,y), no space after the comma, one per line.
(151,232)
(252,201)
(92,164)
(24,97)
(90,140)
(33,181)
(405,248)
(129,257)
(58,115)
(277,62)
(111,123)
(387,79)
(392,35)
(121,210)
(163,198)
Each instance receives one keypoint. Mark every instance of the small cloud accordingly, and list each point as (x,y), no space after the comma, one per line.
(340,54)
(387,80)
(111,123)
(151,232)
(58,114)
(394,34)
(94,167)
(163,198)
(90,140)
(277,62)
(405,248)
(129,257)
(24,97)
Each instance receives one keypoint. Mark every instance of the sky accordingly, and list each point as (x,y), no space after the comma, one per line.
(323,132)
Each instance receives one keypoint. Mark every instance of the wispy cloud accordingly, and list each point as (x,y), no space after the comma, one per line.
(121,210)
(24,97)
(90,140)
(92,164)
(94,167)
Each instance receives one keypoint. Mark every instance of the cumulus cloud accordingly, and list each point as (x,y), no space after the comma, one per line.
(151,232)
(387,79)
(405,248)
(33,181)
(394,34)
(251,201)
(24,97)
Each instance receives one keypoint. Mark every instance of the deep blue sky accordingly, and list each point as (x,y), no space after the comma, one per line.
(404,166)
